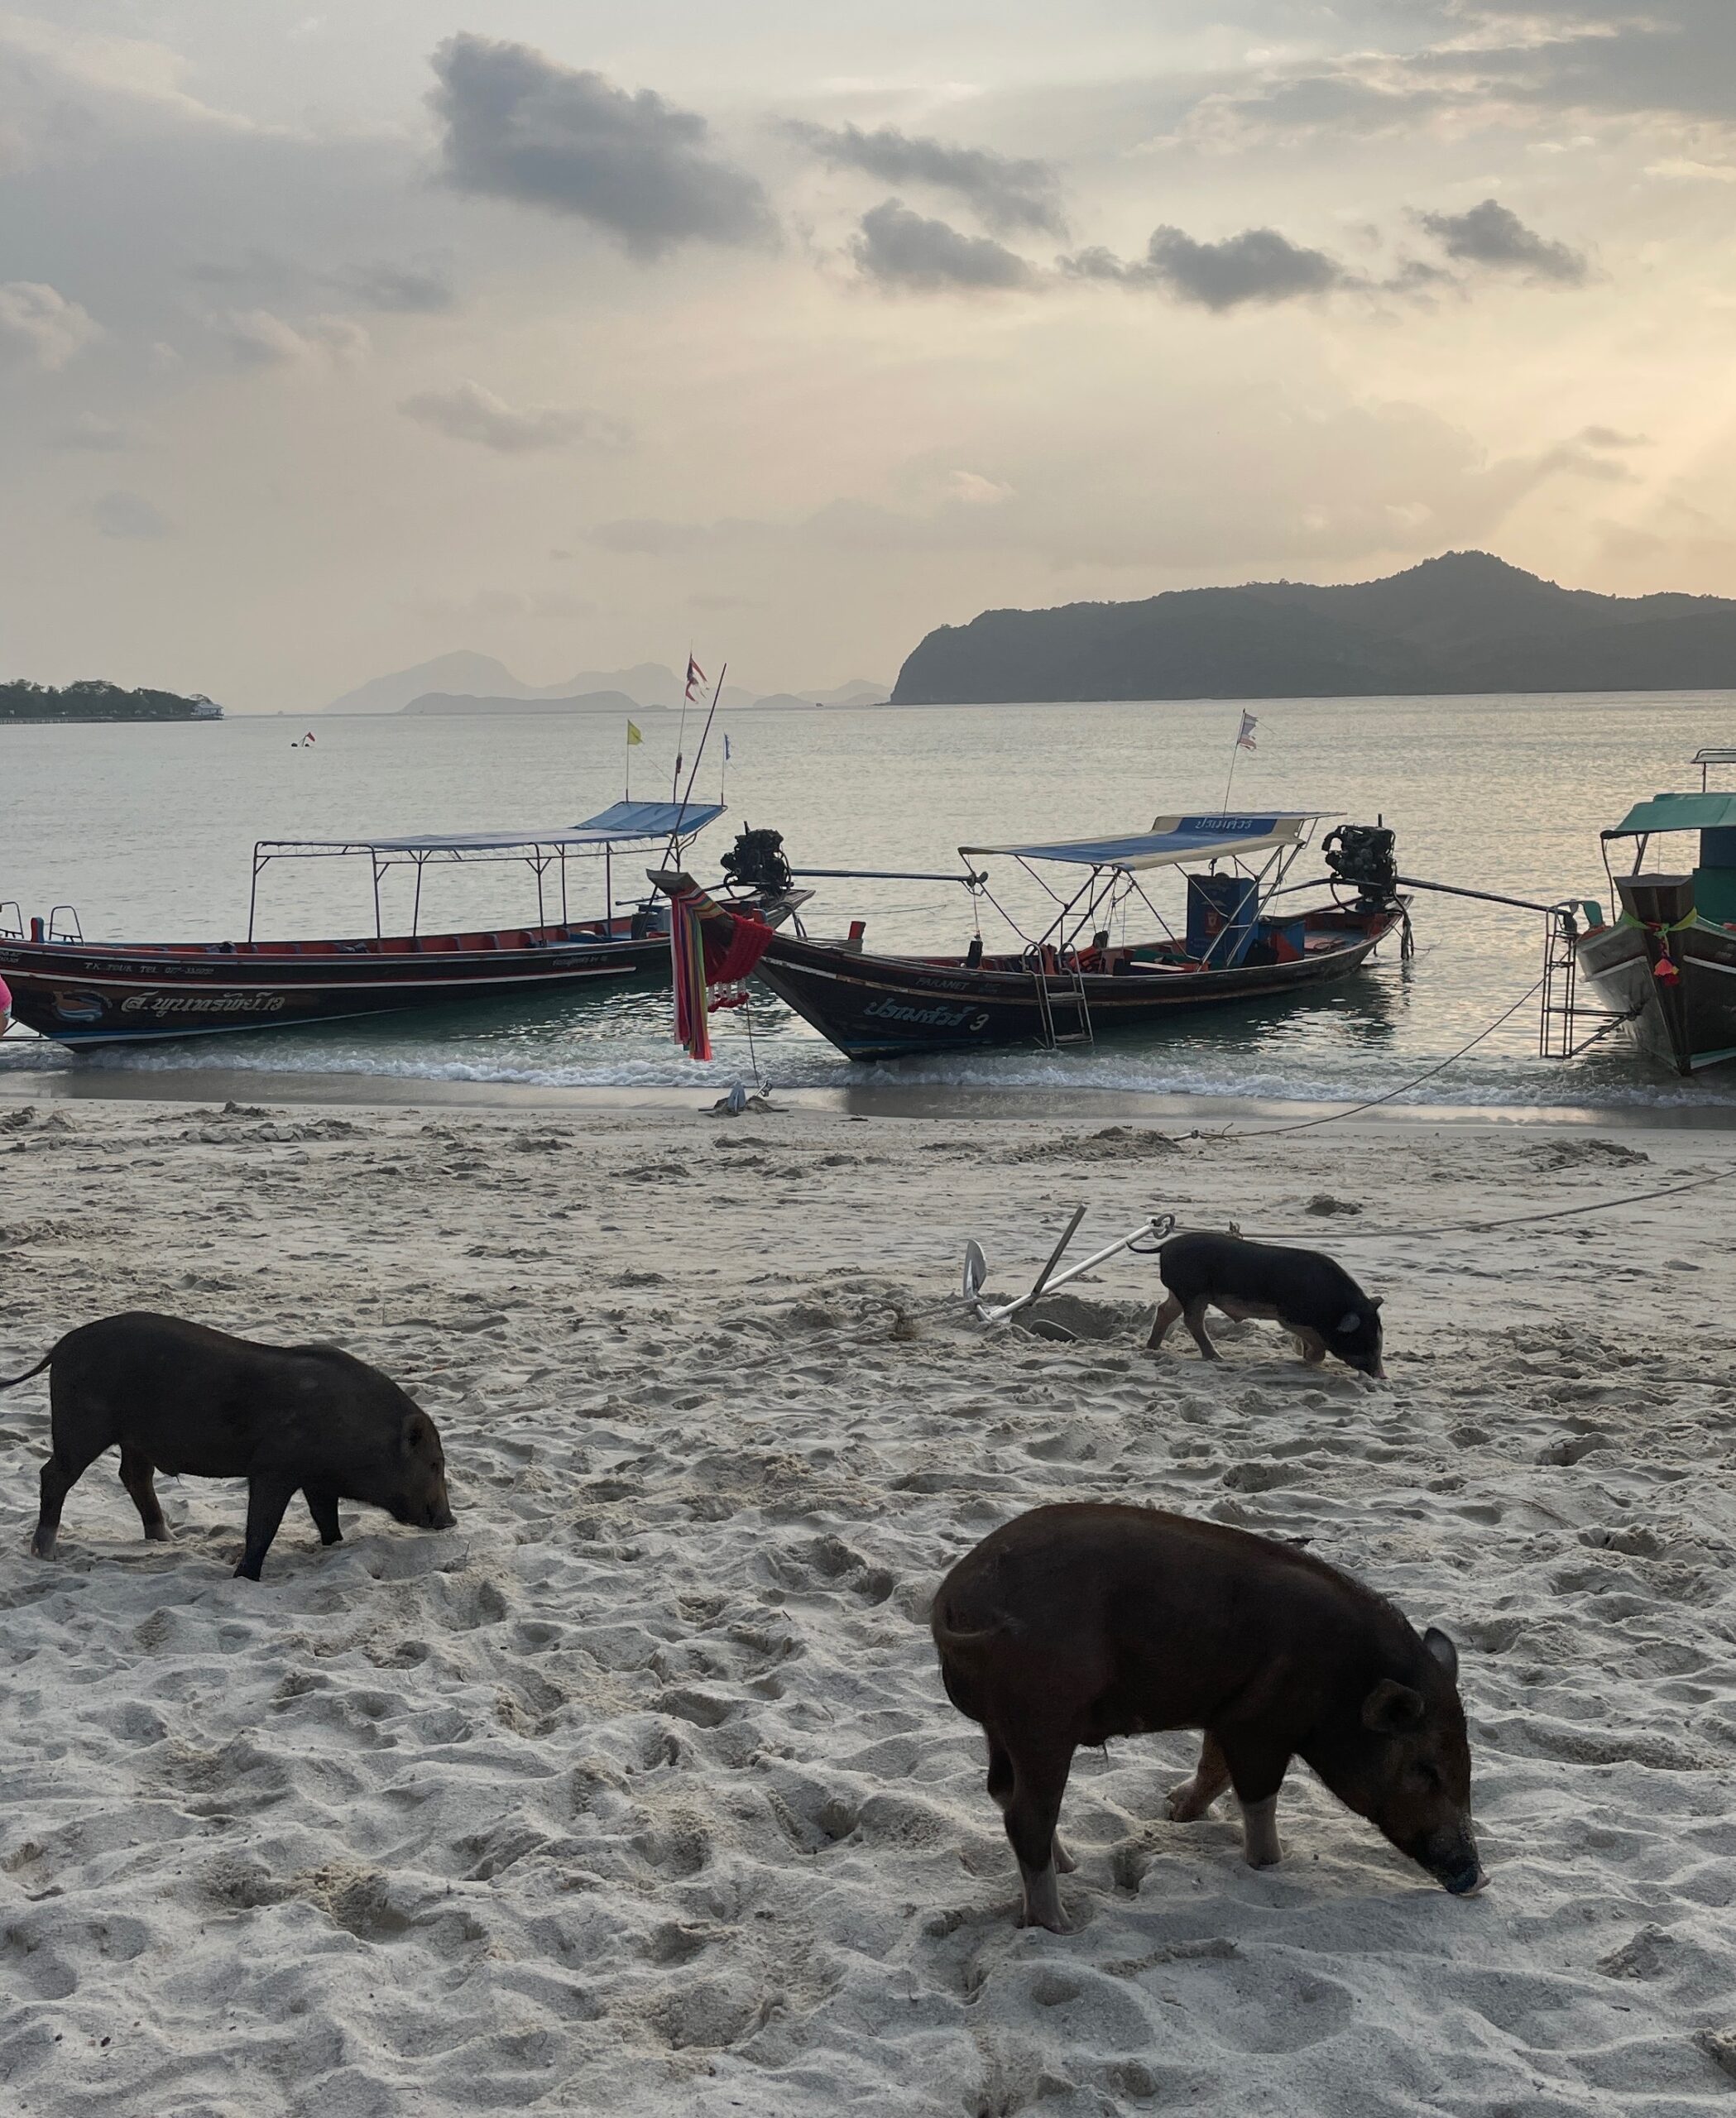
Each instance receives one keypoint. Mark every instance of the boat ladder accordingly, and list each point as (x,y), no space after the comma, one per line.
(1562,1011)
(1052,1034)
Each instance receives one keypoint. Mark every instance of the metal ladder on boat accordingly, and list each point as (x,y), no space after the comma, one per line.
(1052,1035)
(1561,1011)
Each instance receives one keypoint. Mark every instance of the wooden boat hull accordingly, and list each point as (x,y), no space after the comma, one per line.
(883,1008)
(1687,1023)
(82,993)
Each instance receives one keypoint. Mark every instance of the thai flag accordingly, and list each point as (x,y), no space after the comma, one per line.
(1245,735)
(695,675)
(725,749)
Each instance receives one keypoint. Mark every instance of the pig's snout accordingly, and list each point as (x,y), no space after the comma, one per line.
(439,1517)
(1452,1859)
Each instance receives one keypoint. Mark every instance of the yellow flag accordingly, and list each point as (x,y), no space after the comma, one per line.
(633,736)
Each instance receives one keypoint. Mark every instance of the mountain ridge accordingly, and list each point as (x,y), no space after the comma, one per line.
(488,682)
(1464,622)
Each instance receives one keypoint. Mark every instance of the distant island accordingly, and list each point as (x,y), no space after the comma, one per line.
(90,699)
(477,684)
(1464,622)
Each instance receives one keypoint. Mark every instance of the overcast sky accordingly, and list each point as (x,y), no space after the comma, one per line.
(334,337)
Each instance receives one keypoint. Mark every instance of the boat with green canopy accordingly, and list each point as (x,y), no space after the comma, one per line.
(1667,963)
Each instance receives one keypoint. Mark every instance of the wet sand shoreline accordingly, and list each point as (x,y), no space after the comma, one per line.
(361,1091)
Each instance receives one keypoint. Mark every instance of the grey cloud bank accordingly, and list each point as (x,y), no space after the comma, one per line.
(1260,265)
(897,248)
(1009,192)
(1494,234)
(516,125)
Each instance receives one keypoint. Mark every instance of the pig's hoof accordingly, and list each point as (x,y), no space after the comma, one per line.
(158,1535)
(42,1547)
(1183,1805)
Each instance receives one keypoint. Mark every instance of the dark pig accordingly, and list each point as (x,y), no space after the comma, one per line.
(1075,1624)
(1303,1290)
(175,1397)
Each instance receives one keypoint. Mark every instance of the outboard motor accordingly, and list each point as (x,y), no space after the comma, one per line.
(756,862)
(1364,855)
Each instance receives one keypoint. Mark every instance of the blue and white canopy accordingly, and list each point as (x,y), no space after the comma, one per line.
(1172,839)
(623,823)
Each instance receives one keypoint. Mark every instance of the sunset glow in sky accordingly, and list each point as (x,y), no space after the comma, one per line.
(333,338)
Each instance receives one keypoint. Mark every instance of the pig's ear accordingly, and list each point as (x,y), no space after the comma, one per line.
(1348,1323)
(1377,1300)
(416,1431)
(1391,1708)
(1443,1649)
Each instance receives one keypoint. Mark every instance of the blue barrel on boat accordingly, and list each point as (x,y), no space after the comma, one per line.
(1214,902)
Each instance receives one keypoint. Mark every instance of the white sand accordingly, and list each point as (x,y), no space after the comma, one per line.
(639,1792)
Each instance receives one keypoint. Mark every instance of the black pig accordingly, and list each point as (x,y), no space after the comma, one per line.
(1302,1289)
(177,1397)
(1075,1624)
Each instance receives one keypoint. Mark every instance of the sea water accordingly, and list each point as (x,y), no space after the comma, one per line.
(148,832)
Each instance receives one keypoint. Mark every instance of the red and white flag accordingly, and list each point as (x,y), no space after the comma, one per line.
(695,675)
(1245,735)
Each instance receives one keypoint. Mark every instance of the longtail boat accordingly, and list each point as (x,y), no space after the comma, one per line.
(1072,984)
(83,993)
(1666,967)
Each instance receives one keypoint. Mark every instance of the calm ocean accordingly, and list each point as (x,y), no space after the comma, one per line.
(148,832)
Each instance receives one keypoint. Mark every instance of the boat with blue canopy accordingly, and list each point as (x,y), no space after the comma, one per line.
(83,993)
(1242,937)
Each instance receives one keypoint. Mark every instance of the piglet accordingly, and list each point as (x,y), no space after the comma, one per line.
(1308,1293)
(1074,1623)
(175,1397)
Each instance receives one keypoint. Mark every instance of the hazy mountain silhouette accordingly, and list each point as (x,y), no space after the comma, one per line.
(1465,622)
(490,687)
(461,703)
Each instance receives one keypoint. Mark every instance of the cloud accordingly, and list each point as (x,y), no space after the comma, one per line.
(260,338)
(1008,193)
(130,515)
(1493,234)
(1260,265)
(406,289)
(518,126)
(39,327)
(101,437)
(898,248)
(470,413)
(1476,62)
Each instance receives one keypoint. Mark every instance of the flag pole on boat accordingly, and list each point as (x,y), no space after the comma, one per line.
(1244,741)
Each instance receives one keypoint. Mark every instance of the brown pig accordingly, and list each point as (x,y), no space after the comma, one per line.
(175,1397)
(1074,1623)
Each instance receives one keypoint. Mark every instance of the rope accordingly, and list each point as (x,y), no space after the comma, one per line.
(1506,1220)
(1374,1102)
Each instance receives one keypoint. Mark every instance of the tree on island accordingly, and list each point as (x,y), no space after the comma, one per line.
(91,699)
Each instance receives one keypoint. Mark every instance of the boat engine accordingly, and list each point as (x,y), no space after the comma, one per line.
(756,862)
(1363,855)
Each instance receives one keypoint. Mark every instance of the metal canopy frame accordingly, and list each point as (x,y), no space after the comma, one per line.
(538,854)
(1110,884)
